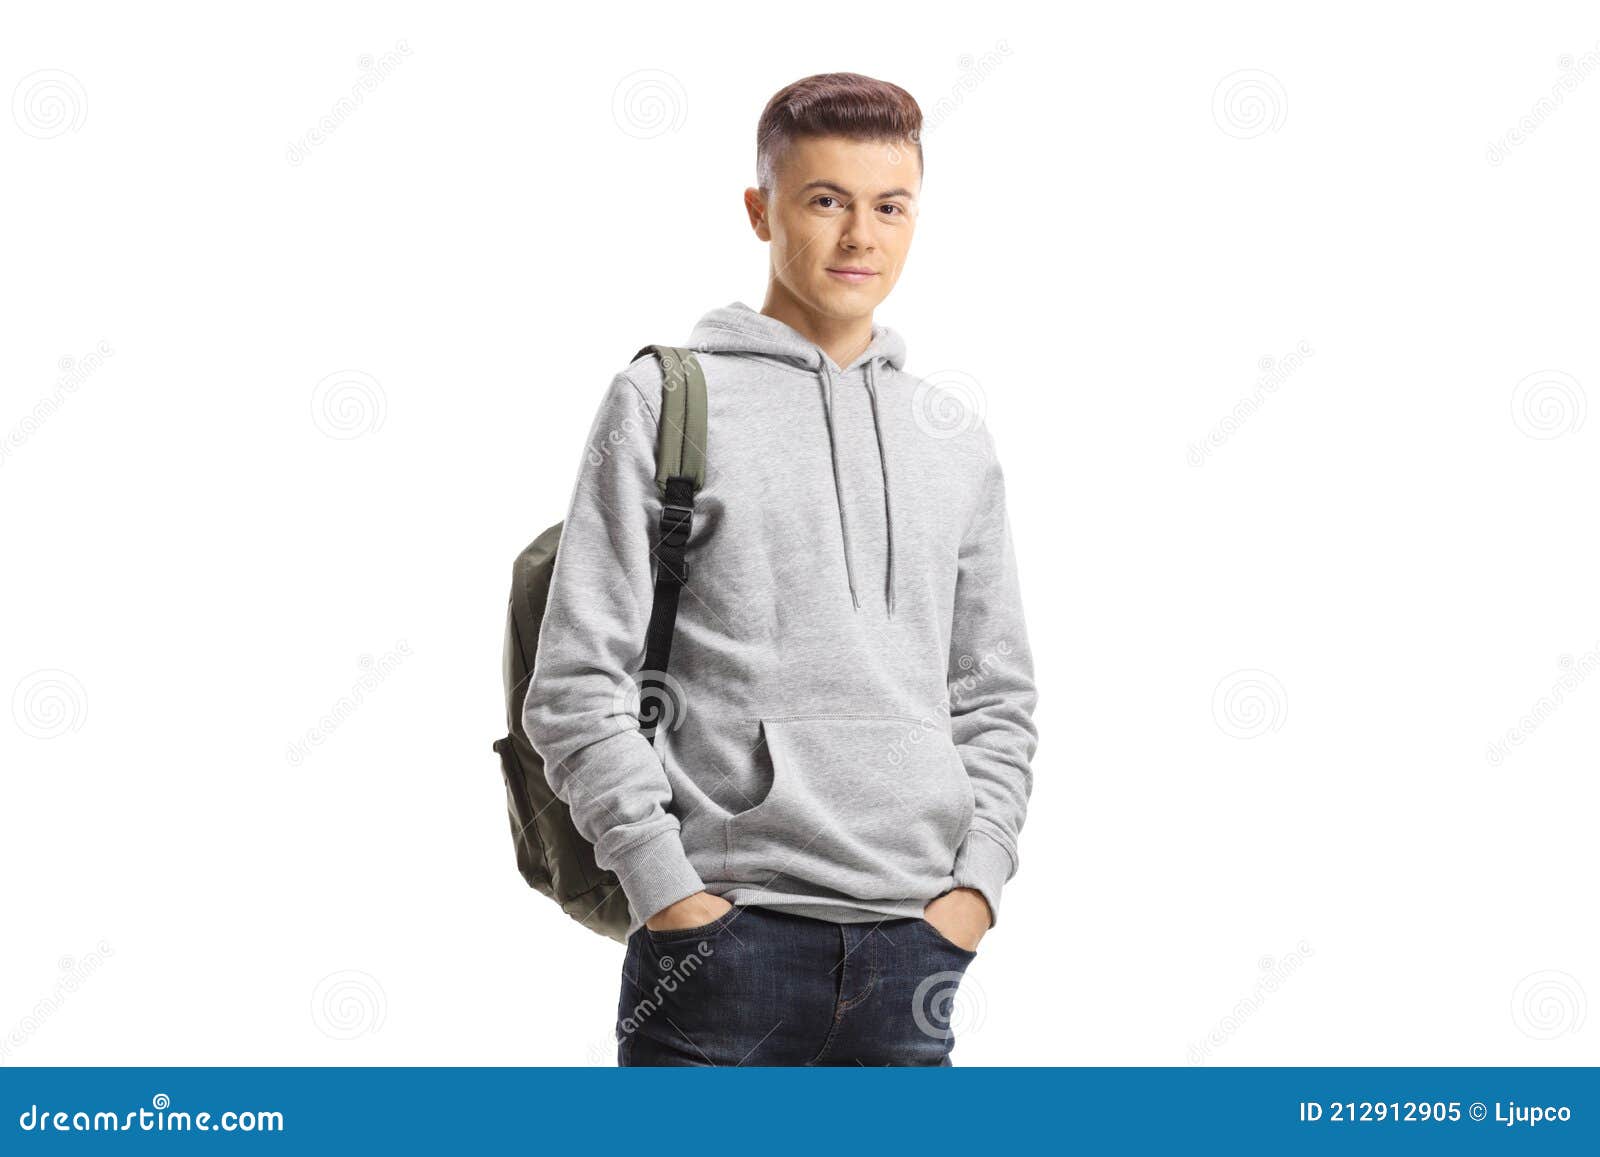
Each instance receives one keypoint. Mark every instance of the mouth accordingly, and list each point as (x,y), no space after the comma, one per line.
(854,274)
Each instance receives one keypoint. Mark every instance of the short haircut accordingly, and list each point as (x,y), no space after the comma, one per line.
(834,104)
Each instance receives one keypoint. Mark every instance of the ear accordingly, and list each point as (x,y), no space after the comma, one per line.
(755,205)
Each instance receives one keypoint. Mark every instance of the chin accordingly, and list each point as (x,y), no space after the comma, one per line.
(846,301)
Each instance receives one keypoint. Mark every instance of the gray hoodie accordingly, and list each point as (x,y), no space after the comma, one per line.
(849,732)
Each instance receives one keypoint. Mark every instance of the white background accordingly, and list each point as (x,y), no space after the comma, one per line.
(1266,827)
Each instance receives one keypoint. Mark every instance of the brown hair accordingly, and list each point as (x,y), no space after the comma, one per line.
(843,104)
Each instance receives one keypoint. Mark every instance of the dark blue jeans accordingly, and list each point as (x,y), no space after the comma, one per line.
(761,987)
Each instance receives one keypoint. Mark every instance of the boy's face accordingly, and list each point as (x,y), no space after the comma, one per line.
(838,205)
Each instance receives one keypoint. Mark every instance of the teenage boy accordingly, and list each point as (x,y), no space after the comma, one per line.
(816,843)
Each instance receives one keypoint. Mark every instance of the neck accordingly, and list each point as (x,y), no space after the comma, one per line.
(843,339)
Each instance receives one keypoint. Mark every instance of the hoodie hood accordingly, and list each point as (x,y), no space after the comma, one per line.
(738,329)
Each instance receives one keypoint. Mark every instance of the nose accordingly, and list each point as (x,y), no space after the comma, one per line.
(858,229)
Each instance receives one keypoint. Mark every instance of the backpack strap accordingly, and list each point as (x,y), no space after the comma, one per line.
(680,472)
(681,448)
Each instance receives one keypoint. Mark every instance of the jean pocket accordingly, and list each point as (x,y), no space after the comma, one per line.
(870,806)
(933,930)
(698,932)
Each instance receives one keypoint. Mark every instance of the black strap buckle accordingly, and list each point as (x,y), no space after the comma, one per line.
(676,522)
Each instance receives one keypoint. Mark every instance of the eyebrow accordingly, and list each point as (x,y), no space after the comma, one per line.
(843,192)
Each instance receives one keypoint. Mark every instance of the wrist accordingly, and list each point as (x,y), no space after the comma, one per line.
(982,904)
(700,908)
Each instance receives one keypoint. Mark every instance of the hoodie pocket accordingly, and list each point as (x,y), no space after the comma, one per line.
(870,806)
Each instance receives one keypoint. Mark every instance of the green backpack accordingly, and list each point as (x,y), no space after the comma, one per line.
(552,855)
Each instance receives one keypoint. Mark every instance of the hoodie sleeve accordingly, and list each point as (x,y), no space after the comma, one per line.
(581,706)
(992,693)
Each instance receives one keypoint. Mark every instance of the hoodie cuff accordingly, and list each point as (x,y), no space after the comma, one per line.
(656,873)
(984,863)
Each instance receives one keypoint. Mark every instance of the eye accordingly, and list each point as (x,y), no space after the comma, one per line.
(824,197)
(898,211)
